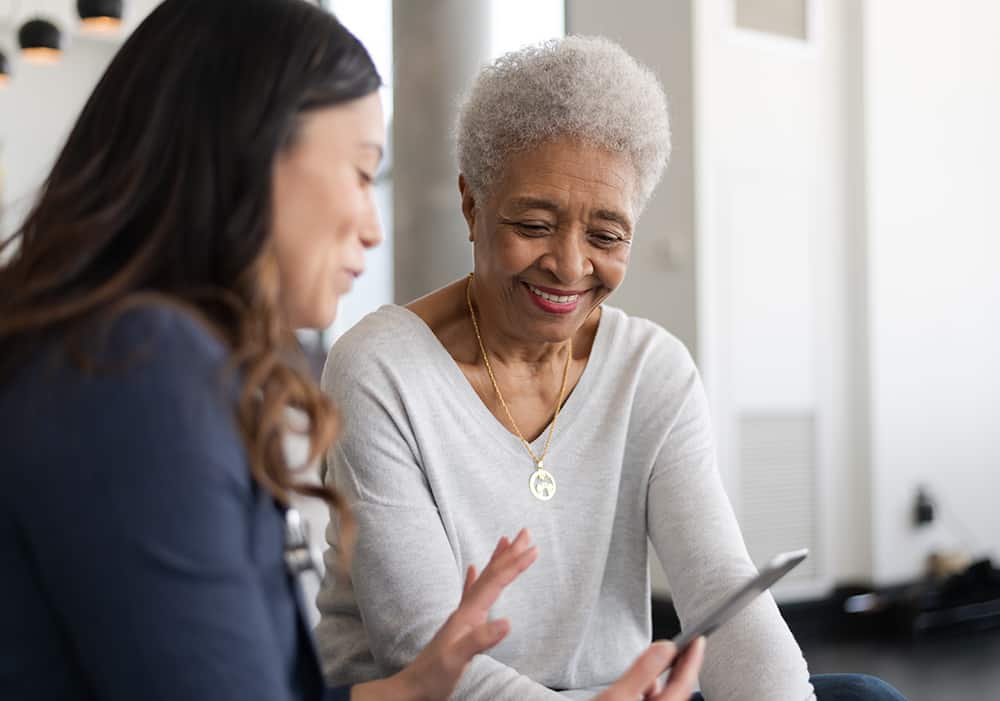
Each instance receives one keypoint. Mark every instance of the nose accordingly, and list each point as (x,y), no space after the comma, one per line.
(371,228)
(568,258)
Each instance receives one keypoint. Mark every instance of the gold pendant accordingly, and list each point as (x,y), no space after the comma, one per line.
(542,484)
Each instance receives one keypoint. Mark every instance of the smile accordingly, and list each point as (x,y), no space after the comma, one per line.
(555,299)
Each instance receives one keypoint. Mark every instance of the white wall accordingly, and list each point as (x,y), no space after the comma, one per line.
(37,110)
(772,145)
(40,103)
(933,110)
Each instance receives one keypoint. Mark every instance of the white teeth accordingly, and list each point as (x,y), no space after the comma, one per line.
(558,299)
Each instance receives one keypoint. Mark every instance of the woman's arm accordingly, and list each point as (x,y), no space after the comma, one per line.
(404,575)
(695,534)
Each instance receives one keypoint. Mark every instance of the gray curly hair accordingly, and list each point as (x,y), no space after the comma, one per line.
(585,88)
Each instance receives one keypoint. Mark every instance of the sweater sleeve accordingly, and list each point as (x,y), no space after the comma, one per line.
(144,543)
(405,577)
(696,536)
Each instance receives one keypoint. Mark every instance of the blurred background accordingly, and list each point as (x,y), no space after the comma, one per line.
(826,242)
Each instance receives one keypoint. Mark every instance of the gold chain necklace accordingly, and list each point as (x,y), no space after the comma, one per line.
(541,483)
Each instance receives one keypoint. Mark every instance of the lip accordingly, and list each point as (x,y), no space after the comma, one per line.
(554,291)
(551,307)
(346,279)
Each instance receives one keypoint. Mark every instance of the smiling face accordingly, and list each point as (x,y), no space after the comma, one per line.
(552,239)
(324,213)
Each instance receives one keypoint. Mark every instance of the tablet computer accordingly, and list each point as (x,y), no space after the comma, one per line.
(774,570)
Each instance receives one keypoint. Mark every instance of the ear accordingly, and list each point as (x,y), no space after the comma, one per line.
(468,206)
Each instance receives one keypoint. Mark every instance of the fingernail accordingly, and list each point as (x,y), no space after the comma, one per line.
(500,627)
(665,649)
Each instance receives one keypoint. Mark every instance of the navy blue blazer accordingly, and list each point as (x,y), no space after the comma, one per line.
(138,559)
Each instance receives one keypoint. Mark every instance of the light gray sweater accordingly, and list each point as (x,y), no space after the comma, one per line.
(435,480)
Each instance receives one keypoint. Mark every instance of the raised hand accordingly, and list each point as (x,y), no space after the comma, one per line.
(432,676)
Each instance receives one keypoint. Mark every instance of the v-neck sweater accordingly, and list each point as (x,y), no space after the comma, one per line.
(435,479)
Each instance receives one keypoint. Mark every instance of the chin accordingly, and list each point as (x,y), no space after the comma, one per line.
(318,318)
(326,320)
(557,331)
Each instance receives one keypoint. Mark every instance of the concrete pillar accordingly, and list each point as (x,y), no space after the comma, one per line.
(438,47)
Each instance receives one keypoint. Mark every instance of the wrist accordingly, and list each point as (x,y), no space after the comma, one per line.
(398,687)
(404,686)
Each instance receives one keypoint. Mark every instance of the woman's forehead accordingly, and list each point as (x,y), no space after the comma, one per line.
(554,175)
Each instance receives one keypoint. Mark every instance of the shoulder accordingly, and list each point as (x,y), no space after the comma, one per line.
(153,371)
(151,334)
(378,331)
(162,364)
(381,345)
(653,364)
(153,347)
(154,406)
(642,343)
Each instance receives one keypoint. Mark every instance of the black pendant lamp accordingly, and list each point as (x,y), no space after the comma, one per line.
(100,15)
(4,69)
(40,40)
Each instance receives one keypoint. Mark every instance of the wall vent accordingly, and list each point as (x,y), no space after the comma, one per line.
(778,488)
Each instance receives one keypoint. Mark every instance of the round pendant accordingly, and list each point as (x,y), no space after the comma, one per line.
(542,484)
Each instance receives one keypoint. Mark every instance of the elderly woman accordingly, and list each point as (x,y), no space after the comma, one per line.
(516,396)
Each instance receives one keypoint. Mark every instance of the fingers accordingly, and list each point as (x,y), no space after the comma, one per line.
(470,578)
(502,569)
(684,674)
(502,545)
(480,639)
(642,674)
(470,574)
(653,689)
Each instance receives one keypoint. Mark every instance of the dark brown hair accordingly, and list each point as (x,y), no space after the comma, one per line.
(163,192)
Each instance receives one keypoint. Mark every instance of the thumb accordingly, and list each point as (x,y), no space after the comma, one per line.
(649,665)
(480,639)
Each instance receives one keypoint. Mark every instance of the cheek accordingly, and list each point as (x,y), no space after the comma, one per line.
(310,287)
(612,267)
(308,258)
(510,253)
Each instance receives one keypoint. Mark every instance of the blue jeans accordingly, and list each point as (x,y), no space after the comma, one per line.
(847,687)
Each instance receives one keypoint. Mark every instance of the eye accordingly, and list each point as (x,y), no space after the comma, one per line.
(607,239)
(536,229)
(531,229)
(366,178)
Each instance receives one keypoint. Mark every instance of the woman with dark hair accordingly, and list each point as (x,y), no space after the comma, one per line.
(213,195)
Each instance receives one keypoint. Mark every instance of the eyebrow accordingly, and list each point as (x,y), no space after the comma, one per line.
(550,206)
(616,217)
(535,203)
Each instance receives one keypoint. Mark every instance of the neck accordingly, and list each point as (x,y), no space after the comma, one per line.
(509,349)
